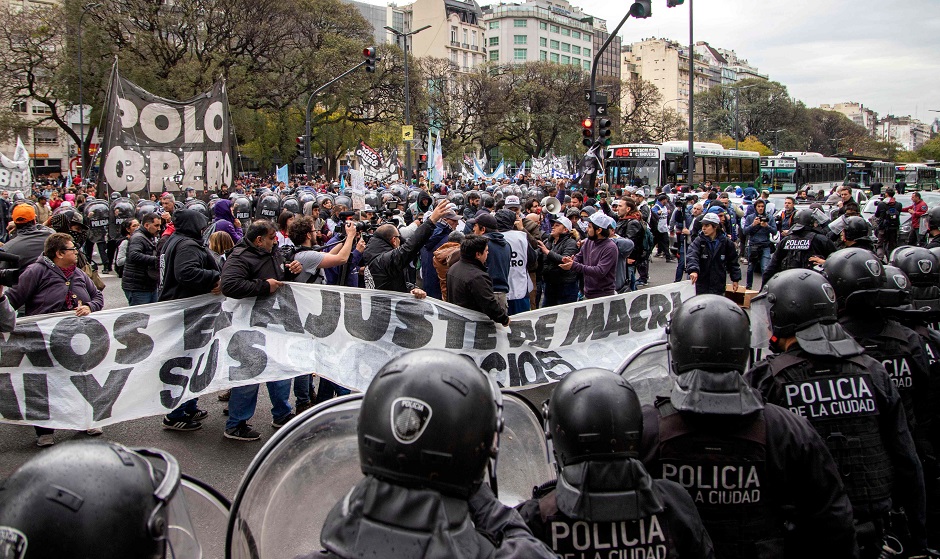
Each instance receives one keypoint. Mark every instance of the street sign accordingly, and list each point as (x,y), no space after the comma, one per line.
(408,133)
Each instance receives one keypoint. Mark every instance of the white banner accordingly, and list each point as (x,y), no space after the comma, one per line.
(67,372)
(14,173)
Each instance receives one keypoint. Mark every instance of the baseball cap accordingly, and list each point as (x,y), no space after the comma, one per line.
(451,214)
(484,219)
(24,213)
(564,221)
(513,202)
(710,218)
(602,220)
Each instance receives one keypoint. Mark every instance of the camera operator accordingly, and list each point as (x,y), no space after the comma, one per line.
(758,232)
(387,258)
(681,223)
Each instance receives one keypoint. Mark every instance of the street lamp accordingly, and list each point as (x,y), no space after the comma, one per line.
(736,108)
(775,132)
(81,100)
(403,38)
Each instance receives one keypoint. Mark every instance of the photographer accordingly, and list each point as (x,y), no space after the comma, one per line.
(680,222)
(758,231)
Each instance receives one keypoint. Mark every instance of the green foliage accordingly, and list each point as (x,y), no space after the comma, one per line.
(930,151)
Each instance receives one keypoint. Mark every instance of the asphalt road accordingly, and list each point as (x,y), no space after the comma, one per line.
(204,454)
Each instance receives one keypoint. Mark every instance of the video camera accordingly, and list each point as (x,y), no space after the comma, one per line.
(344,217)
(10,276)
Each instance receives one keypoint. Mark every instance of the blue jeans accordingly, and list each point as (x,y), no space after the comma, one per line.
(303,386)
(680,265)
(631,272)
(560,293)
(244,399)
(188,408)
(140,297)
(517,306)
(757,257)
(328,390)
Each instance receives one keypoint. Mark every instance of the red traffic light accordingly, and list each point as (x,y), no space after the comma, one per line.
(368,52)
(587,123)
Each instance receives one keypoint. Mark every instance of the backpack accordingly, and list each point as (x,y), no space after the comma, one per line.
(289,252)
(648,241)
(892,216)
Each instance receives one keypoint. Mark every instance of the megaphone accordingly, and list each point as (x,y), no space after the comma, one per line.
(551,205)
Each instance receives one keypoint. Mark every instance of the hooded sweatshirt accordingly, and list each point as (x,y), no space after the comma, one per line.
(225,220)
(187,268)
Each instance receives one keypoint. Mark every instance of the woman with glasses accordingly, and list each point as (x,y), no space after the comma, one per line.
(55,283)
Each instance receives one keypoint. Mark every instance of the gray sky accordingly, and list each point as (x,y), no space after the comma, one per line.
(883,54)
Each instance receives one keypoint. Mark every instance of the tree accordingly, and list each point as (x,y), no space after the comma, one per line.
(930,151)
(645,118)
(762,106)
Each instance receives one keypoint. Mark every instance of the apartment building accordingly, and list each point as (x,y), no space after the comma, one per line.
(857,113)
(907,131)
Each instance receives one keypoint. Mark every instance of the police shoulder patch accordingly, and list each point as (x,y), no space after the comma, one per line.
(410,417)
(12,543)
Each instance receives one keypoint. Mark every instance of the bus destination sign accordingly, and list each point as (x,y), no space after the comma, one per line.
(648,153)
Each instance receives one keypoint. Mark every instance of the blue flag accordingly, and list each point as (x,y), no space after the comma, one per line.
(282,175)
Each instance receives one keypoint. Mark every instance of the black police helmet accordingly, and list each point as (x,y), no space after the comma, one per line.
(918,264)
(805,218)
(856,228)
(89,499)
(933,218)
(854,271)
(897,279)
(798,299)
(593,414)
(709,332)
(430,419)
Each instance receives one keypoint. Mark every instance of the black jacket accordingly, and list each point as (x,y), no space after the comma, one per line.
(386,265)
(187,268)
(470,286)
(247,270)
(27,244)
(635,230)
(566,245)
(142,265)
(713,268)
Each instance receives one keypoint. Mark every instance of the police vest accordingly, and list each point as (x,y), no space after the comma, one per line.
(725,473)
(649,537)
(796,249)
(840,401)
(892,349)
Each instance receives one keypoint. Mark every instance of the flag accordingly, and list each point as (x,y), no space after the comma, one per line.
(521,172)
(282,175)
(500,172)
(342,183)
(438,174)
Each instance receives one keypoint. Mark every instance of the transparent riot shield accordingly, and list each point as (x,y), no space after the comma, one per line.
(647,370)
(311,463)
(209,511)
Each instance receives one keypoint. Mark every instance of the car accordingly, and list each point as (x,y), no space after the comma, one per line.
(868,212)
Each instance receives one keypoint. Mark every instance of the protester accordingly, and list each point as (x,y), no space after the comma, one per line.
(284,220)
(918,210)
(429,280)
(446,256)
(141,268)
(55,283)
(468,283)
(523,259)
(712,258)
(29,241)
(220,243)
(497,262)
(631,225)
(596,259)
(224,220)
(120,258)
(561,286)
(888,217)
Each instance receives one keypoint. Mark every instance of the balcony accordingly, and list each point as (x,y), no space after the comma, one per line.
(475,48)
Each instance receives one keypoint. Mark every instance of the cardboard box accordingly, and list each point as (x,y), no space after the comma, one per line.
(742,296)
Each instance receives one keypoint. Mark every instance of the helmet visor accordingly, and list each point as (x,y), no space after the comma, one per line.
(837,225)
(180,535)
(761,326)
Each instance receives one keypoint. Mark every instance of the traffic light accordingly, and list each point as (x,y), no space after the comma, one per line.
(674,3)
(642,8)
(603,130)
(369,53)
(587,130)
(301,146)
(423,161)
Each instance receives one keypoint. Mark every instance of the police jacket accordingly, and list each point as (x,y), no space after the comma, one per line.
(713,261)
(247,270)
(856,409)
(566,245)
(933,242)
(750,474)
(386,265)
(187,268)
(141,266)
(379,519)
(657,518)
(794,251)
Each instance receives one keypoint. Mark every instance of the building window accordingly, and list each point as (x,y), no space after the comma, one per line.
(553,57)
(45,136)
(473,37)
(520,23)
(555,45)
(575,49)
(565,31)
(543,42)
(494,41)
(554,29)
(587,64)
(576,34)
(586,36)
(466,37)
(453,57)
(543,25)
(494,25)
(494,56)
(520,39)
(575,61)
(586,52)
(39,109)
(519,55)
(466,61)
(453,34)
(565,47)
(566,60)
(19,107)
(543,55)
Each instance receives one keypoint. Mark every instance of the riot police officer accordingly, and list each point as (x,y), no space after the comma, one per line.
(857,233)
(97,216)
(96,499)
(760,476)
(428,428)
(822,374)
(933,228)
(804,247)
(604,499)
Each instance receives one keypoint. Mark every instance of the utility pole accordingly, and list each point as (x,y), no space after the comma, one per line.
(403,38)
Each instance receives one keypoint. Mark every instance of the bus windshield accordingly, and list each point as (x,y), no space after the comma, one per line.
(908,176)
(779,180)
(622,171)
(858,176)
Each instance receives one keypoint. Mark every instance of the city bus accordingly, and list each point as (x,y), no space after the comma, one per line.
(792,171)
(865,172)
(667,163)
(917,176)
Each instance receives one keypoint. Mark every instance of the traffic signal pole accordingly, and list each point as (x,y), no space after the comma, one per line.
(308,159)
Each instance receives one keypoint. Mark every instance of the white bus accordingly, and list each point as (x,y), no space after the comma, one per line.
(667,163)
(917,176)
(792,171)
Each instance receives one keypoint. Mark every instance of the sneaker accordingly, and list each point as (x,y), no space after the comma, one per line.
(93,432)
(224,396)
(303,407)
(199,415)
(243,432)
(279,422)
(181,424)
(45,440)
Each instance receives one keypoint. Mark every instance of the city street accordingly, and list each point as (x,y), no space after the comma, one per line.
(204,454)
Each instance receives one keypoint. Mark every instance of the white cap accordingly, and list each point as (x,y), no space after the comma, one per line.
(711,218)
(513,202)
(602,220)
(564,221)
